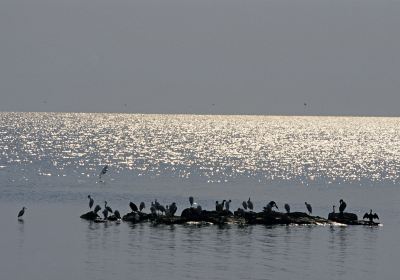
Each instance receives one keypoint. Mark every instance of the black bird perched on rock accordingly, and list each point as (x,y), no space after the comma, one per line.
(117,214)
(287,208)
(250,204)
(105,213)
(91,201)
(370,216)
(227,204)
(269,206)
(133,207)
(173,209)
(309,208)
(191,200)
(107,207)
(333,208)
(97,208)
(21,213)
(219,207)
(342,206)
(244,203)
(142,206)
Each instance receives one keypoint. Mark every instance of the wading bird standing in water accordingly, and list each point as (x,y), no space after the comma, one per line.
(21,213)
(103,171)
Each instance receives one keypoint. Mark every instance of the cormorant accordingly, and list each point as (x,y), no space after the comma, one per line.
(269,206)
(250,204)
(97,208)
(117,214)
(191,200)
(91,201)
(133,207)
(173,209)
(370,216)
(309,208)
(287,208)
(342,206)
(142,206)
(244,203)
(227,204)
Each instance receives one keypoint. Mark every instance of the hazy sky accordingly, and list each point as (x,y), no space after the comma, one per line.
(183,56)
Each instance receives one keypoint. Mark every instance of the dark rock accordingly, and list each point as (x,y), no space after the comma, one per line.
(343,218)
(137,217)
(90,216)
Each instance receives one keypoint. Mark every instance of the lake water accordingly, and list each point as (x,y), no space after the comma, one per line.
(50,162)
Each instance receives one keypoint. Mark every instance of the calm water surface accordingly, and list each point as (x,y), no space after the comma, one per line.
(50,163)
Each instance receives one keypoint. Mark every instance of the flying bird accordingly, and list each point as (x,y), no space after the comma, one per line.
(21,213)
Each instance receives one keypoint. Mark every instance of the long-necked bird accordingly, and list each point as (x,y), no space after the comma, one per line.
(191,200)
(244,204)
(107,207)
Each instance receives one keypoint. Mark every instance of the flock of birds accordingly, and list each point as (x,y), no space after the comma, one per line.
(169,210)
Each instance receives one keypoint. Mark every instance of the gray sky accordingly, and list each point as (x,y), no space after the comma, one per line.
(182,56)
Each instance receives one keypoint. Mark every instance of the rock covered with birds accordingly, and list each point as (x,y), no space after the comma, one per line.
(167,214)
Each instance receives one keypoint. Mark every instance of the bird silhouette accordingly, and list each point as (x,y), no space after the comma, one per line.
(342,206)
(250,204)
(287,208)
(133,207)
(91,201)
(142,206)
(309,208)
(370,216)
(21,213)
